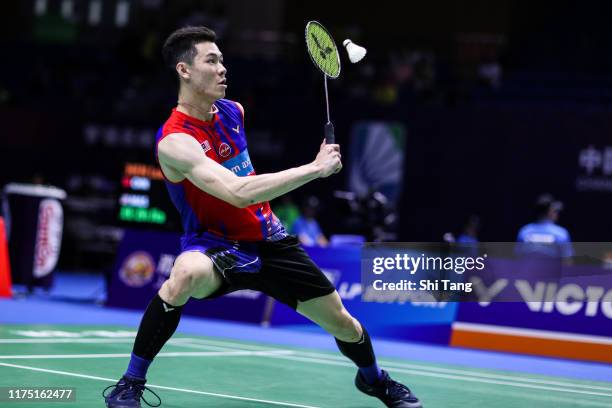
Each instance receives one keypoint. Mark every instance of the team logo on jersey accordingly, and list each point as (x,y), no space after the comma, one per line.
(236,129)
(224,150)
(205,145)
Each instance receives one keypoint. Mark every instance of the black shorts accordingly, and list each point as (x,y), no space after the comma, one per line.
(280,269)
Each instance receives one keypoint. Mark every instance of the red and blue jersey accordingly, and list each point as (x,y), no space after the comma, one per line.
(223,140)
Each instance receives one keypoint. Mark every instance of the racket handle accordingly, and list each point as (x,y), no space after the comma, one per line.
(329,133)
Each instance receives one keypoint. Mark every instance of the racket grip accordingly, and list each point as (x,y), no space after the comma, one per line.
(330,138)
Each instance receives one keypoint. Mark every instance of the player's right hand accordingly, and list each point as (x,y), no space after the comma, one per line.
(328,159)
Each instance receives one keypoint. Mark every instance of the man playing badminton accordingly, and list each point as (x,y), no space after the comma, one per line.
(232,240)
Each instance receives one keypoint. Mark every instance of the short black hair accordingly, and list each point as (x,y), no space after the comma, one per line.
(545,203)
(180,45)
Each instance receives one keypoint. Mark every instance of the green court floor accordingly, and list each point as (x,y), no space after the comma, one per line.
(198,371)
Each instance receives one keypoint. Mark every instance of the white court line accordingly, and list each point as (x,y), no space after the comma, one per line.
(462,375)
(177,342)
(222,343)
(448,376)
(431,371)
(415,366)
(161,387)
(86,341)
(192,344)
(162,354)
(392,364)
(67,340)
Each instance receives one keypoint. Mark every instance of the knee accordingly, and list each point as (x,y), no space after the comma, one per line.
(346,328)
(184,281)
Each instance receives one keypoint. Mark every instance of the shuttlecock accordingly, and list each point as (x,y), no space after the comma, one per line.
(355,52)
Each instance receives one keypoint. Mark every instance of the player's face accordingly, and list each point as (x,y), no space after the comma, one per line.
(207,73)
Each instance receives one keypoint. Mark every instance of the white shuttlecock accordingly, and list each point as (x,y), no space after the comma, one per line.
(355,52)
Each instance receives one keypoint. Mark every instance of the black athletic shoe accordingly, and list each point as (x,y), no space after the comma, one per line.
(390,392)
(127,393)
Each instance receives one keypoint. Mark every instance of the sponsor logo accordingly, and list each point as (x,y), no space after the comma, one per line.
(349,291)
(596,166)
(592,159)
(224,150)
(48,237)
(137,269)
(236,129)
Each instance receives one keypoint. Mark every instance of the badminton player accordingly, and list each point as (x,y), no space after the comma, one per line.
(232,240)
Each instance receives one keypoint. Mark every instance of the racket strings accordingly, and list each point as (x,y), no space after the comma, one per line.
(322,50)
(324,54)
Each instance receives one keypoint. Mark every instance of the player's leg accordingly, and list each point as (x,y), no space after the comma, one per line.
(193,275)
(355,343)
(289,275)
(352,339)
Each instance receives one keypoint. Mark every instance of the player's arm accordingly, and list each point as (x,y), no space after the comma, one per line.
(183,153)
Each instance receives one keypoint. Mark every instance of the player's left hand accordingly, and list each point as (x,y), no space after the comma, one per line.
(328,159)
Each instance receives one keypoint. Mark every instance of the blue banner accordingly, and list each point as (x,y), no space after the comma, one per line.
(144,261)
(415,321)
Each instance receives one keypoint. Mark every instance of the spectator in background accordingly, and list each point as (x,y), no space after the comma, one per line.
(306,226)
(548,238)
(469,234)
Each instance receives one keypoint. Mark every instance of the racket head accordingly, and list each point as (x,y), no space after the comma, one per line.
(322,49)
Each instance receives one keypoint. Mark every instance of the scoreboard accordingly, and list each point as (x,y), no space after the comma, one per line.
(144,199)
